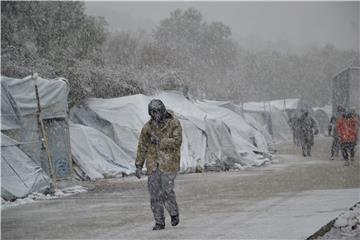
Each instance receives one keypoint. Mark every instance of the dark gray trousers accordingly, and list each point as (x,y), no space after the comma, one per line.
(161,189)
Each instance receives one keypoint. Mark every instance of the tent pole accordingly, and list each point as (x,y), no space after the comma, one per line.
(43,133)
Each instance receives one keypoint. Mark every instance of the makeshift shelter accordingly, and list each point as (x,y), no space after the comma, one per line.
(292,105)
(271,118)
(10,115)
(241,132)
(121,119)
(207,139)
(22,111)
(20,175)
(345,88)
(97,155)
(259,135)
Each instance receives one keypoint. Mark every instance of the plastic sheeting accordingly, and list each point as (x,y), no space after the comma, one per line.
(242,134)
(10,116)
(259,135)
(20,175)
(52,93)
(121,120)
(97,155)
(207,138)
(271,118)
(24,107)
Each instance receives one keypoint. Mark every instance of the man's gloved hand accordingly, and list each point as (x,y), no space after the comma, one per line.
(154,139)
(316,131)
(138,172)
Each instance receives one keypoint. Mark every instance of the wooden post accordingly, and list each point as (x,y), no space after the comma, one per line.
(43,134)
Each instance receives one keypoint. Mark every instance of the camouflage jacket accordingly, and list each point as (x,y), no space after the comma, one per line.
(167,153)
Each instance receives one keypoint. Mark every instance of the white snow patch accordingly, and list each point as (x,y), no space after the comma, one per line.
(346,226)
(34,197)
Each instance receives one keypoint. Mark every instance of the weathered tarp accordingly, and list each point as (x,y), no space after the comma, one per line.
(20,175)
(197,112)
(292,104)
(97,155)
(242,134)
(271,118)
(10,115)
(258,133)
(207,139)
(53,100)
(121,120)
(52,93)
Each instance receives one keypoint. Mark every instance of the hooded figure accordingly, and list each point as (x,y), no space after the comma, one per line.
(159,145)
(347,127)
(308,128)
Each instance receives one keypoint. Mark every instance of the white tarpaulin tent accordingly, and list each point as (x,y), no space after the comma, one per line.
(263,139)
(98,155)
(271,118)
(207,140)
(10,116)
(53,101)
(240,132)
(121,119)
(20,175)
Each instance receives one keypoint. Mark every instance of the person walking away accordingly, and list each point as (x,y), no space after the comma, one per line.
(159,145)
(348,126)
(335,146)
(308,128)
(293,125)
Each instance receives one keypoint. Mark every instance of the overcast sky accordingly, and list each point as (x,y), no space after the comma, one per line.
(298,23)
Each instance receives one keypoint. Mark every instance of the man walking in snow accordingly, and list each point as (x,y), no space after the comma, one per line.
(159,145)
(348,126)
(308,128)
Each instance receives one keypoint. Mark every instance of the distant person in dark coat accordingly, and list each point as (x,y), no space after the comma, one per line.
(308,128)
(335,146)
(293,123)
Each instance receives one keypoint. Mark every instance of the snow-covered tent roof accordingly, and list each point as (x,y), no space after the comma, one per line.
(10,116)
(241,132)
(54,109)
(288,105)
(20,175)
(258,134)
(207,137)
(270,118)
(52,93)
(121,119)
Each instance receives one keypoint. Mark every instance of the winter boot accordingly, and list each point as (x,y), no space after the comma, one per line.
(158,227)
(175,220)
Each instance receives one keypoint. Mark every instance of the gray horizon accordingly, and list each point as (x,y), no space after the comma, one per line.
(253,24)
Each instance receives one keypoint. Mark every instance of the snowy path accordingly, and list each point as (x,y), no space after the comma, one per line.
(290,199)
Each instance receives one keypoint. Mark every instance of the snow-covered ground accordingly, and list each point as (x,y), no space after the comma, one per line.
(289,199)
(34,197)
(346,226)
